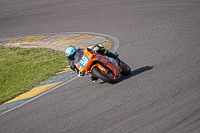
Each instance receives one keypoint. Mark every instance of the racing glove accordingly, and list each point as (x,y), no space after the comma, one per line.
(80,74)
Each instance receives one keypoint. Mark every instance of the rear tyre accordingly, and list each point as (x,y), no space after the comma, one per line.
(126,69)
(107,77)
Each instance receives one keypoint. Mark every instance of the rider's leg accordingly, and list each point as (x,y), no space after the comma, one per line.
(108,53)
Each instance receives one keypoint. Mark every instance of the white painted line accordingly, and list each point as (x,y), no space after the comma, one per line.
(39,95)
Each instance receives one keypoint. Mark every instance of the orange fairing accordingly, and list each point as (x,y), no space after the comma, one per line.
(102,62)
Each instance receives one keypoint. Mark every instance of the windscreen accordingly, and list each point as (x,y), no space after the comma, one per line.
(79,55)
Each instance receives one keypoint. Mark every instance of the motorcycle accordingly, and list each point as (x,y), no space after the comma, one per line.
(100,66)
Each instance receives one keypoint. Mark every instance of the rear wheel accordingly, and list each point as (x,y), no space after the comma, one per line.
(126,69)
(107,77)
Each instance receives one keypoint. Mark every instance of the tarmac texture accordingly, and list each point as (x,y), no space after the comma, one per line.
(158,39)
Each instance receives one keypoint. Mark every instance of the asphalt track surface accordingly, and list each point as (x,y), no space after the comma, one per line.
(159,39)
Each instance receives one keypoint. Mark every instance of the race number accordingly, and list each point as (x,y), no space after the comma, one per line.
(84,61)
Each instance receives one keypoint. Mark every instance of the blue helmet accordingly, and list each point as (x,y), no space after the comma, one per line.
(70,52)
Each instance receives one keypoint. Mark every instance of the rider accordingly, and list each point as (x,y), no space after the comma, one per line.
(71,51)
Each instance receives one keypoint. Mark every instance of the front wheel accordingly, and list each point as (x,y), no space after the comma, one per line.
(107,77)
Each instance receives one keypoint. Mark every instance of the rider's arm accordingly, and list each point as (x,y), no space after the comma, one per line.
(74,68)
(72,65)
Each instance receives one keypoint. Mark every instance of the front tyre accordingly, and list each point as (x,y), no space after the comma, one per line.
(107,77)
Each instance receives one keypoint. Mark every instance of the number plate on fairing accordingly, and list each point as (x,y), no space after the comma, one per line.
(84,61)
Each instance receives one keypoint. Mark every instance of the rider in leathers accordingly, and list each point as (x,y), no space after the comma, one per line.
(71,51)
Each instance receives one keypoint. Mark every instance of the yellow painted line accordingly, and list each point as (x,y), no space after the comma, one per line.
(65,70)
(34,92)
(104,43)
(73,39)
(28,39)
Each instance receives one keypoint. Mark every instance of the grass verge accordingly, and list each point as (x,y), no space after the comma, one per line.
(22,69)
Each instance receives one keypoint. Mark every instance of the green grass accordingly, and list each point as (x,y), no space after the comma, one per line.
(22,69)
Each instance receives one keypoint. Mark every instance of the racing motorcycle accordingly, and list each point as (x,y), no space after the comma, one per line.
(100,66)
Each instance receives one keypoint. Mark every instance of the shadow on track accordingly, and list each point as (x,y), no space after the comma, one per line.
(134,73)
